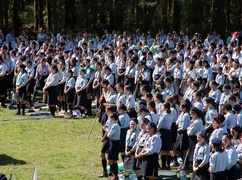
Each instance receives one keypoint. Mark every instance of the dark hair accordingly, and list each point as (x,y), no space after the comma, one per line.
(152,105)
(54,67)
(186,105)
(218,147)
(152,125)
(135,120)
(145,120)
(114,115)
(228,136)
(232,98)
(202,134)
(128,87)
(167,106)
(149,95)
(168,79)
(237,128)
(158,96)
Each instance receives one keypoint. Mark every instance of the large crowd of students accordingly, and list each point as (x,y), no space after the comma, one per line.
(159,96)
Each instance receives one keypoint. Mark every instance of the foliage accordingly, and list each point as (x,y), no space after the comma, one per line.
(188,15)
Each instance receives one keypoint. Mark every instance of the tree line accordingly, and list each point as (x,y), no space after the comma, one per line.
(189,16)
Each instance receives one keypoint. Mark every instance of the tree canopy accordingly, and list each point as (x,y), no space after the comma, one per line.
(189,16)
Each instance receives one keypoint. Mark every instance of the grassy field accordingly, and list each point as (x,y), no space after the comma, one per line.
(59,147)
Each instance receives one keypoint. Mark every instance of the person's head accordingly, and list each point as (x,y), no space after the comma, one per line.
(54,69)
(133,123)
(232,99)
(107,70)
(82,71)
(120,87)
(109,110)
(170,99)
(144,89)
(128,89)
(185,107)
(69,73)
(216,145)
(113,117)
(143,110)
(198,96)
(22,68)
(235,131)
(195,113)
(212,84)
(105,83)
(227,140)
(148,97)
(166,107)
(151,128)
(226,88)
(209,102)
(158,97)
(227,107)
(111,87)
(143,123)
(201,137)
(218,120)
(167,81)
(236,108)
(151,106)
(121,108)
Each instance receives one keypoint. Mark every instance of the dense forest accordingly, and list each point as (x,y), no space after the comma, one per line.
(190,16)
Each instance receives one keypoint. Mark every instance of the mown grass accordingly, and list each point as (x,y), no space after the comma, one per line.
(59,147)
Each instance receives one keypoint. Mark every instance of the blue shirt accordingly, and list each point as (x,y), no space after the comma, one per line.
(130,101)
(232,156)
(218,162)
(211,112)
(113,131)
(152,144)
(124,120)
(218,133)
(142,136)
(195,127)
(81,82)
(22,78)
(70,82)
(111,97)
(3,69)
(215,94)
(131,137)
(53,79)
(165,121)
(230,120)
(202,152)
(183,121)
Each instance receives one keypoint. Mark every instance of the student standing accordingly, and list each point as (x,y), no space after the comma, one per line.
(130,141)
(201,158)
(3,71)
(231,170)
(51,89)
(69,91)
(164,127)
(218,160)
(124,120)
(81,95)
(149,153)
(21,94)
(113,133)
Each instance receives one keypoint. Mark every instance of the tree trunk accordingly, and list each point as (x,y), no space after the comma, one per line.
(6,4)
(36,15)
(16,18)
(41,17)
(49,18)
(176,16)
(54,15)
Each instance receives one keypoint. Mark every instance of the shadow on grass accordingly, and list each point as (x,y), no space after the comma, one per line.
(7,160)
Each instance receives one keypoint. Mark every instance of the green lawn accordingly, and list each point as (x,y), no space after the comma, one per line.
(59,147)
